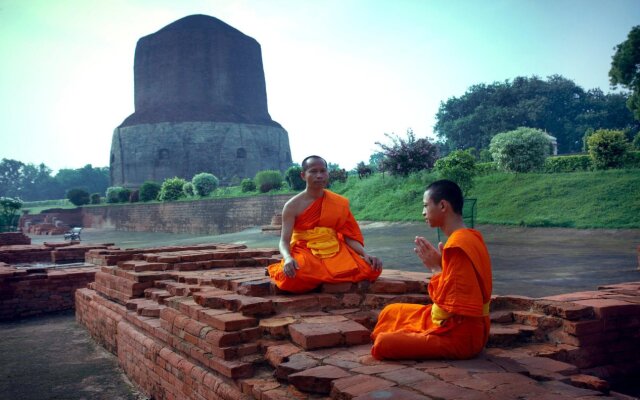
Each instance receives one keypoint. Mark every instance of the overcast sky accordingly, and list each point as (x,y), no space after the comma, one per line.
(340,73)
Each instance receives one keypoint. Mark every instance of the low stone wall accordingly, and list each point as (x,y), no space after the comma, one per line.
(206,323)
(13,238)
(35,291)
(210,216)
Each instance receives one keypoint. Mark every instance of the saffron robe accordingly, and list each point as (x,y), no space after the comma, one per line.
(457,325)
(318,246)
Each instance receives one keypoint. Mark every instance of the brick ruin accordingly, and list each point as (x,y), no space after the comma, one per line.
(207,323)
(204,322)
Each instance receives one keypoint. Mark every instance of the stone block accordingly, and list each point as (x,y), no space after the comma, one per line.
(315,336)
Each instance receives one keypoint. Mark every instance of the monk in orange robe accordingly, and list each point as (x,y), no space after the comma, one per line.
(456,325)
(320,240)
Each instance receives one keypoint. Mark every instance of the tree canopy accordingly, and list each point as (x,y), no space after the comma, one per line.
(625,68)
(34,182)
(555,105)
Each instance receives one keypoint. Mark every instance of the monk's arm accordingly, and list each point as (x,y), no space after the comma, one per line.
(372,260)
(288,219)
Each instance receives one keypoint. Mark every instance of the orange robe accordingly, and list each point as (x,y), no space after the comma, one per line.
(456,326)
(329,211)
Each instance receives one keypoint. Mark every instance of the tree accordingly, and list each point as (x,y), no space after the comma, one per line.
(403,157)
(171,189)
(89,178)
(555,105)
(625,68)
(268,180)
(204,183)
(607,148)
(247,185)
(458,166)
(149,191)
(520,150)
(78,197)
(10,175)
(9,213)
(293,178)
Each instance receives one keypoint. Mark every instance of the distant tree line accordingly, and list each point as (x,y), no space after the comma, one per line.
(556,106)
(30,182)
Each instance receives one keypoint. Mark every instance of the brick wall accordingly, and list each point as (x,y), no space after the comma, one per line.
(211,216)
(24,293)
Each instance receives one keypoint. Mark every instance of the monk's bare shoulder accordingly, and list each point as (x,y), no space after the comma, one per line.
(297,204)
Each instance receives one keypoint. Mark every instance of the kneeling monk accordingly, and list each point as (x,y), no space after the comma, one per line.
(456,325)
(320,240)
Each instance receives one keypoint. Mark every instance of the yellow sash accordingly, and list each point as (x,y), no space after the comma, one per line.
(322,241)
(439,314)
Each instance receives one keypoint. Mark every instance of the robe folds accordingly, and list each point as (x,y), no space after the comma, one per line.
(318,245)
(456,325)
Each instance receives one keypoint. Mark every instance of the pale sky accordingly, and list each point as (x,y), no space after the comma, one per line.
(340,73)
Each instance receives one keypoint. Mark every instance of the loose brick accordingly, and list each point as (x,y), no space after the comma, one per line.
(318,379)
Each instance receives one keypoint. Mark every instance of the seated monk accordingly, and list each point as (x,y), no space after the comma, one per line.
(320,240)
(456,325)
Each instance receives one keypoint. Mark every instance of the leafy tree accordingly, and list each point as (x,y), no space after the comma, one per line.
(337,175)
(636,141)
(247,185)
(149,191)
(458,166)
(187,189)
(89,178)
(10,174)
(375,160)
(625,68)
(607,148)
(171,189)
(293,178)
(268,180)
(520,150)
(204,183)
(113,194)
(78,197)
(9,213)
(555,105)
(363,170)
(95,198)
(124,195)
(403,157)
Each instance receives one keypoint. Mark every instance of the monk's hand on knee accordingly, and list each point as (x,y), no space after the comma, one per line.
(289,268)
(375,262)
(429,255)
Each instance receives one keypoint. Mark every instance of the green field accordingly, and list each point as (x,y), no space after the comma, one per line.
(598,199)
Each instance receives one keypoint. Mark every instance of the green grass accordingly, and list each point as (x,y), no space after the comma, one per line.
(35,207)
(598,199)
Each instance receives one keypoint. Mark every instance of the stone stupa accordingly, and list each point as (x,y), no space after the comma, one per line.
(200,106)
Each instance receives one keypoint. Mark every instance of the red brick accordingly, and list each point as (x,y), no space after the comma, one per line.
(225,321)
(318,379)
(315,336)
(405,376)
(296,363)
(589,382)
(608,308)
(276,327)
(357,385)
(383,285)
(278,354)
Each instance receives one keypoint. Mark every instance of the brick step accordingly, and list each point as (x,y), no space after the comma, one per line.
(507,335)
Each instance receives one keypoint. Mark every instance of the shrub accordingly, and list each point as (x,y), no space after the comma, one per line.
(9,213)
(521,150)
(459,166)
(607,148)
(204,183)
(247,185)
(293,178)
(134,197)
(268,180)
(635,144)
(580,162)
(486,168)
(149,191)
(113,194)
(187,189)
(363,170)
(406,156)
(95,198)
(171,189)
(78,197)
(632,160)
(124,195)
(337,175)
